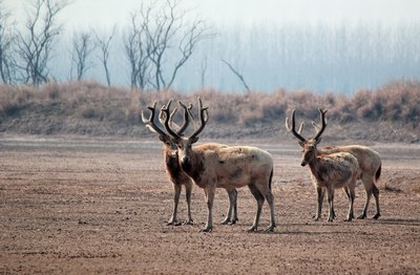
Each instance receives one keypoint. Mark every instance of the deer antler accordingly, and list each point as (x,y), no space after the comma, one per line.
(163,116)
(187,113)
(166,114)
(292,129)
(323,123)
(150,122)
(204,117)
(203,114)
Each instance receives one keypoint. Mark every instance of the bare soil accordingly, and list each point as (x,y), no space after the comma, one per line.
(72,205)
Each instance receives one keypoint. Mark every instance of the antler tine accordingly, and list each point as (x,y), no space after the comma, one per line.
(204,117)
(187,110)
(150,122)
(316,126)
(302,124)
(168,117)
(323,123)
(292,129)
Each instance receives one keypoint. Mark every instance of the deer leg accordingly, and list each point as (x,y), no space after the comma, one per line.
(227,220)
(351,196)
(173,220)
(188,189)
(210,190)
(264,189)
(330,192)
(260,201)
(368,183)
(270,199)
(234,217)
(376,195)
(320,198)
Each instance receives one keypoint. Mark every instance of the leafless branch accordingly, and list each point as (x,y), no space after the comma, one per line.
(165,30)
(83,46)
(7,38)
(35,42)
(104,43)
(137,49)
(238,74)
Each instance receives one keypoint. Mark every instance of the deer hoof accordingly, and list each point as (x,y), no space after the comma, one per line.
(206,229)
(252,229)
(226,221)
(174,223)
(270,229)
(361,217)
(189,222)
(376,216)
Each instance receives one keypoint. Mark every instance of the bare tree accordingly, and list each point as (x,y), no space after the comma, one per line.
(238,74)
(104,43)
(6,47)
(166,28)
(137,49)
(36,41)
(83,46)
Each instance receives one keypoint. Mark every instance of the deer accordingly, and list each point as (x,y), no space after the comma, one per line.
(211,166)
(370,165)
(177,177)
(328,171)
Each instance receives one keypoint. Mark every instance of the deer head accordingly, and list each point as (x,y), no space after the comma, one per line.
(184,144)
(163,136)
(309,145)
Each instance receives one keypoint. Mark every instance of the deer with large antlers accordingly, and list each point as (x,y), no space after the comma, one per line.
(370,165)
(166,119)
(228,167)
(176,175)
(328,171)
(174,170)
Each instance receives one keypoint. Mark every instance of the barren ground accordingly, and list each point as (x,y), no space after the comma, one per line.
(101,206)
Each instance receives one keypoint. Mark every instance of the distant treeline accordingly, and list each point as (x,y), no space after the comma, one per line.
(390,113)
(153,50)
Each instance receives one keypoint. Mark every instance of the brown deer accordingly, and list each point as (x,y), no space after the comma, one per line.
(228,167)
(176,175)
(328,171)
(174,171)
(370,165)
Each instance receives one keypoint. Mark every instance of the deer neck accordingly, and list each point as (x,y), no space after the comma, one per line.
(171,162)
(196,166)
(315,165)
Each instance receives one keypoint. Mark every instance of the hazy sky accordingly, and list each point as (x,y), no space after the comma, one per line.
(90,13)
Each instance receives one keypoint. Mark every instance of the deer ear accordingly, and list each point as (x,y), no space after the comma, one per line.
(301,143)
(164,139)
(194,140)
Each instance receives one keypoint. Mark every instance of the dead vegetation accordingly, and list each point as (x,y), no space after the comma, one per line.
(390,113)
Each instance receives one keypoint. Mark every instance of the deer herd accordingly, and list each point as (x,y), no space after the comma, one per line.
(214,165)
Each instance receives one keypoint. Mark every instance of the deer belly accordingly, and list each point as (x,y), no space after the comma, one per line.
(335,179)
(236,178)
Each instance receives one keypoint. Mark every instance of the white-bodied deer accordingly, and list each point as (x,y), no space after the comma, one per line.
(328,171)
(166,119)
(174,171)
(370,166)
(228,167)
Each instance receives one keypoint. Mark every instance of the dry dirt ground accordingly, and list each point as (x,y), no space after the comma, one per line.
(100,206)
